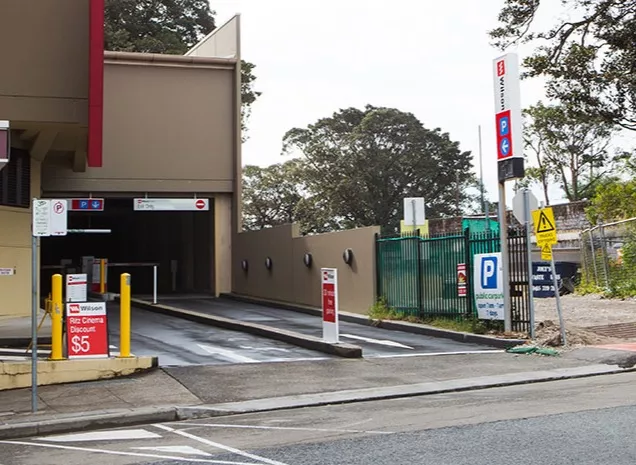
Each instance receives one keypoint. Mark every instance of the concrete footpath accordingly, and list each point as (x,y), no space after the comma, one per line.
(172,394)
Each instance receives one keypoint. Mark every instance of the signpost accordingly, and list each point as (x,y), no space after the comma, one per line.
(87,330)
(488,286)
(49,218)
(510,161)
(546,234)
(329,290)
(76,287)
(414,211)
(171,204)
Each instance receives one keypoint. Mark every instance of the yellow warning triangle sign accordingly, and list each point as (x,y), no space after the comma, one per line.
(545,225)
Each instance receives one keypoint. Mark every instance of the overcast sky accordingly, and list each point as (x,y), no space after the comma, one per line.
(431,58)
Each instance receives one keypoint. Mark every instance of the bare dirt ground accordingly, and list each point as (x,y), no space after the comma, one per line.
(579,313)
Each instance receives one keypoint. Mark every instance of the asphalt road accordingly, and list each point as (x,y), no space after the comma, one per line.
(375,342)
(180,342)
(585,422)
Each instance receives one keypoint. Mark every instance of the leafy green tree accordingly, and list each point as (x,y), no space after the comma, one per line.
(360,164)
(168,27)
(614,200)
(271,194)
(570,149)
(588,55)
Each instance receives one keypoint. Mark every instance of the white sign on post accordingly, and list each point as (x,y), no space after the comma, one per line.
(50,218)
(329,289)
(414,211)
(488,286)
(76,286)
(171,204)
(518,208)
(508,107)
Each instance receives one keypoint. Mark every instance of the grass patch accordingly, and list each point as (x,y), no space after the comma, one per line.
(381,311)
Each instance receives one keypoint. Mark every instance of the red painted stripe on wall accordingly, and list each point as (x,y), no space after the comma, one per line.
(96,83)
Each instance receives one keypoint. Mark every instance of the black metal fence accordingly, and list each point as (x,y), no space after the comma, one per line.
(432,276)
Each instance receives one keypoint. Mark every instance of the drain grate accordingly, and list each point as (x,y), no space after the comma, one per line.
(619,330)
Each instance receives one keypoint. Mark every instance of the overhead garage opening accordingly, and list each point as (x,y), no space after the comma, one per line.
(181,243)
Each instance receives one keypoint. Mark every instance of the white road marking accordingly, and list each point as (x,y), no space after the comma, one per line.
(103,436)
(288,428)
(265,349)
(220,446)
(228,354)
(430,354)
(377,341)
(127,454)
(112,347)
(185,450)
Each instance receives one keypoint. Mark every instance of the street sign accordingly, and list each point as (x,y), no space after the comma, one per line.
(546,252)
(544,226)
(41,218)
(171,204)
(76,285)
(508,117)
(89,204)
(414,211)
(461,280)
(517,206)
(59,217)
(329,291)
(87,330)
(488,286)
(7,271)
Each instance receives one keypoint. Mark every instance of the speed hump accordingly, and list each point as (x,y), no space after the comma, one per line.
(544,227)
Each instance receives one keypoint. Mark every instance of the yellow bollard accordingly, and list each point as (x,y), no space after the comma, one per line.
(102,276)
(56,317)
(124,318)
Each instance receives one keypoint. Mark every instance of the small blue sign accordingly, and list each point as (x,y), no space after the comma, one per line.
(84,204)
(504,146)
(489,273)
(96,204)
(504,126)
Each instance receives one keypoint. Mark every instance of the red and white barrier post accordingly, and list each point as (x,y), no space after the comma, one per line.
(329,288)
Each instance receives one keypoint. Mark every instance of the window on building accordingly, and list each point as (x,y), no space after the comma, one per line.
(15,180)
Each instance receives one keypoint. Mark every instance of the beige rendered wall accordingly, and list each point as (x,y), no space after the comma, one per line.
(168,127)
(50,36)
(15,251)
(291,281)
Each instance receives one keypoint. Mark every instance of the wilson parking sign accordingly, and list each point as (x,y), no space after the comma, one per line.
(488,286)
(87,330)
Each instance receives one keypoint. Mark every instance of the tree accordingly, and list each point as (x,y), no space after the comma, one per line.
(168,27)
(569,149)
(360,164)
(589,58)
(614,200)
(271,194)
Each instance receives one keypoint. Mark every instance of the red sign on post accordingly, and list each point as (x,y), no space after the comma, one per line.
(329,289)
(461,280)
(87,330)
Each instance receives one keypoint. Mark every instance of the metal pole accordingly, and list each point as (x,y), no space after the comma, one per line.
(414,219)
(481,177)
(154,284)
(593,258)
(34,324)
(605,264)
(505,259)
(558,298)
(526,209)
(124,317)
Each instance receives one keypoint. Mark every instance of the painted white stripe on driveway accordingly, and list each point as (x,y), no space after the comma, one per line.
(116,435)
(185,450)
(228,354)
(220,446)
(287,428)
(377,341)
(127,454)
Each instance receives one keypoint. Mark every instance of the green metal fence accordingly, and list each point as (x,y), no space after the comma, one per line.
(419,276)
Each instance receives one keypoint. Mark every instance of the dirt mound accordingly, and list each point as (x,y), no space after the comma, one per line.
(549,334)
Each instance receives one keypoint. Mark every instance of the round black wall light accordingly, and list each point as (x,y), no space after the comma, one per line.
(244,265)
(347,256)
(307,260)
(268,263)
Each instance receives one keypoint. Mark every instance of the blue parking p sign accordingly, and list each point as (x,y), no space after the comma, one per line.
(488,286)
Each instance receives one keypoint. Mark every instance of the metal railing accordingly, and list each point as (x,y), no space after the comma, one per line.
(608,255)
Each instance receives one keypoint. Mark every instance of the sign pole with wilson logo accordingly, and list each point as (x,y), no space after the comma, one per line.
(510,162)
(329,289)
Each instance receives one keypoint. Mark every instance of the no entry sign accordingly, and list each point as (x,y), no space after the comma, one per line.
(87,330)
(329,289)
